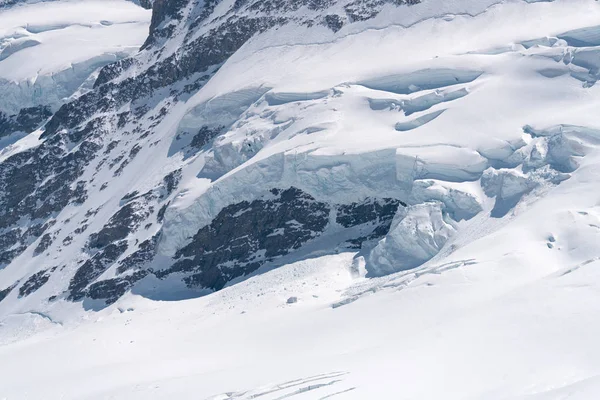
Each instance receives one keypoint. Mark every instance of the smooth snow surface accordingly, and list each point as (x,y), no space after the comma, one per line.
(483,117)
(49,49)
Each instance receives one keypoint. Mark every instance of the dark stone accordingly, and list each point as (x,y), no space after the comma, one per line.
(160,216)
(93,268)
(129,196)
(245,235)
(334,22)
(204,136)
(362,10)
(111,146)
(34,282)
(79,230)
(147,4)
(111,290)
(171,181)
(26,121)
(6,292)
(374,213)
(45,242)
(120,225)
(163,10)
(371,210)
(144,254)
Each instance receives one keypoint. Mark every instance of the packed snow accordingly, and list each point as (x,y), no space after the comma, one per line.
(48,50)
(481,115)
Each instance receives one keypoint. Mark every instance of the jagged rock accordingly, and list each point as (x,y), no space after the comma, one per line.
(93,268)
(45,242)
(245,235)
(368,211)
(27,120)
(37,184)
(121,224)
(111,289)
(204,136)
(144,254)
(171,181)
(6,292)
(35,281)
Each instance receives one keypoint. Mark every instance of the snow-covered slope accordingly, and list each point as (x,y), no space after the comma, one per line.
(51,51)
(314,200)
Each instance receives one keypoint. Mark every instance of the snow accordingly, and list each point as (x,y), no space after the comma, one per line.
(494,287)
(47,50)
(416,236)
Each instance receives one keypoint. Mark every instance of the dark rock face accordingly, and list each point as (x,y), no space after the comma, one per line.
(111,290)
(124,222)
(27,120)
(45,243)
(7,241)
(171,181)
(106,128)
(163,12)
(35,281)
(375,213)
(145,253)
(362,10)
(147,4)
(334,22)
(245,235)
(93,268)
(38,183)
(368,211)
(204,136)
(6,292)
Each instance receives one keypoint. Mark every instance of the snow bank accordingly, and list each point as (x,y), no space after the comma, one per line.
(48,49)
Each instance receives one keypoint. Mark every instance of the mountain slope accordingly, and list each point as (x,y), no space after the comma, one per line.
(382,195)
(52,51)
(254,145)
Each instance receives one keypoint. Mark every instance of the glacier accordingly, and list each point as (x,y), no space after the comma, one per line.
(419,176)
(50,50)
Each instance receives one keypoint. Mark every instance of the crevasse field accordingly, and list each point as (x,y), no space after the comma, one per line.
(482,115)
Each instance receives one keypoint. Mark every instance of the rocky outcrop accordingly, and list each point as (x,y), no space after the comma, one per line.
(103,132)
(26,121)
(35,281)
(5,292)
(245,235)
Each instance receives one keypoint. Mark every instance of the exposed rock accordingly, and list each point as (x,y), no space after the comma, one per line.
(171,181)
(245,235)
(144,254)
(35,281)
(38,183)
(111,289)
(27,120)
(120,225)
(368,211)
(204,136)
(93,268)
(6,292)
(45,242)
